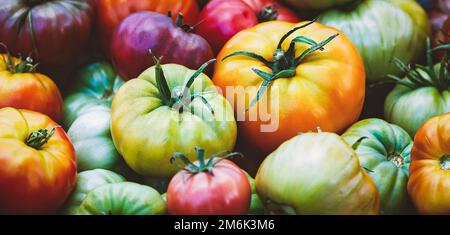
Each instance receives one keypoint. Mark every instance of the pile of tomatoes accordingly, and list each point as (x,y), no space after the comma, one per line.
(149,107)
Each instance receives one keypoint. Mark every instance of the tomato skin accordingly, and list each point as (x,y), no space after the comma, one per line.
(144,31)
(221,20)
(333,107)
(385,152)
(29,90)
(111,12)
(224,192)
(429,181)
(38,181)
(61,29)
(316,4)
(316,173)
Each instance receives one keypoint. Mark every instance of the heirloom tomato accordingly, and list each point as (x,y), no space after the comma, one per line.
(222,19)
(111,12)
(421,95)
(308,75)
(373,26)
(316,173)
(167,109)
(23,88)
(51,31)
(429,181)
(95,85)
(86,182)
(124,198)
(384,151)
(317,4)
(144,31)
(256,205)
(37,163)
(213,187)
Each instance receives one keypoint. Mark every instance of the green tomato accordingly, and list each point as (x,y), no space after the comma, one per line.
(411,105)
(96,85)
(123,198)
(90,134)
(256,205)
(385,153)
(316,4)
(382,30)
(316,173)
(86,182)
(147,128)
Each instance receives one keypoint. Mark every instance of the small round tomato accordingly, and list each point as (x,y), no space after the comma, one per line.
(429,181)
(37,163)
(23,88)
(216,187)
(222,19)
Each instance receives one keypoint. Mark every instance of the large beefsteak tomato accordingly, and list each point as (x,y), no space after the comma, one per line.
(168,109)
(23,88)
(429,181)
(51,31)
(213,187)
(222,19)
(111,12)
(313,75)
(374,27)
(316,173)
(37,163)
(385,153)
(173,41)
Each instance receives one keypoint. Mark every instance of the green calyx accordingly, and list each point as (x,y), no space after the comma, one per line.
(397,159)
(25,66)
(202,165)
(429,76)
(445,163)
(179,22)
(268,13)
(38,138)
(180,100)
(284,63)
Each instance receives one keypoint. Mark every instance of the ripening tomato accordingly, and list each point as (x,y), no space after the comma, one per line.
(429,181)
(215,187)
(309,75)
(23,88)
(111,12)
(222,19)
(37,163)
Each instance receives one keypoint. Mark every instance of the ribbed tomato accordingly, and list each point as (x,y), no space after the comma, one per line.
(429,181)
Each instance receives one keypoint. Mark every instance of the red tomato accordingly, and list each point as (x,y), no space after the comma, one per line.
(215,187)
(37,163)
(111,12)
(222,19)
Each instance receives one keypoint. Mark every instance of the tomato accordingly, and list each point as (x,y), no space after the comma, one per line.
(53,32)
(366,25)
(421,95)
(317,4)
(385,153)
(214,187)
(256,205)
(37,163)
(323,88)
(439,14)
(124,198)
(221,19)
(429,182)
(23,88)
(174,42)
(95,85)
(111,12)
(169,108)
(316,173)
(86,182)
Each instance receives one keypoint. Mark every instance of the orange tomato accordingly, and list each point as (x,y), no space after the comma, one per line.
(37,168)
(326,89)
(111,12)
(429,181)
(22,88)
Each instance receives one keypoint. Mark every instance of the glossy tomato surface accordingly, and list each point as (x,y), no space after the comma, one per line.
(38,177)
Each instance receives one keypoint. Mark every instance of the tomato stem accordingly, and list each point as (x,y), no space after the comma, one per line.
(397,159)
(38,138)
(268,13)
(445,163)
(19,66)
